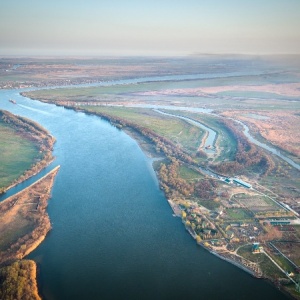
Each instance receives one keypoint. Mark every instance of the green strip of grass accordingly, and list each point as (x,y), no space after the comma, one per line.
(178,131)
(189,174)
(238,214)
(225,141)
(17,155)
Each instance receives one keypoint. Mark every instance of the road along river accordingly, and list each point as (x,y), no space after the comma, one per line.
(114,236)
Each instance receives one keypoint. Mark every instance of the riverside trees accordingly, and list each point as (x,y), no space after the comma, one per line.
(171,181)
(247,154)
(19,281)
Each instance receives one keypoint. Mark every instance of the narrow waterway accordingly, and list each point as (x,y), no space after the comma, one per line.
(114,236)
(266,147)
(212,133)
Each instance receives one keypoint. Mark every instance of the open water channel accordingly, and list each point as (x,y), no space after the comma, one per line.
(114,236)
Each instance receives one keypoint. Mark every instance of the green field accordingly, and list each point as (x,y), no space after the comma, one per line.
(209,204)
(17,155)
(224,140)
(178,131)
(268,268)
(189,174)
(238,214)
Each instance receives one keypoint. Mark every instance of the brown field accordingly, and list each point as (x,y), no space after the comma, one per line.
(74,70)
(280,128)
(256,202)
(285,89)
(291,250)
(24,222)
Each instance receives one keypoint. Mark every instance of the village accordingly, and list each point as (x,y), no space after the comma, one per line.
(245,227)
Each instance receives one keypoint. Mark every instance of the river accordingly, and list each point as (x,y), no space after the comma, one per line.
(266,147)
(114,236)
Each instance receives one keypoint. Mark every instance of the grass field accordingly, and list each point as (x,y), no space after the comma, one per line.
(17,155)
(269,269)
(209,204)
(23,218)
(238,214)
(225,141)
(189,174)
(257,203)
(16,230)
(178,131)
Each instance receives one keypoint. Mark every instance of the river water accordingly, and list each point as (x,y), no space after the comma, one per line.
(266,147)
(114,236)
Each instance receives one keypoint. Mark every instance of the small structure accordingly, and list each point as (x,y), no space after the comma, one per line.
(256,248)
(279,222)
(230,234)
(242,183)
(219,210)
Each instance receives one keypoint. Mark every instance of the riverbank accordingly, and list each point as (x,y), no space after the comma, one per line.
(224,254)
(24,222)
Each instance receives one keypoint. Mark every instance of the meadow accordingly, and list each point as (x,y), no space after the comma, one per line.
(178,131)
(17,155)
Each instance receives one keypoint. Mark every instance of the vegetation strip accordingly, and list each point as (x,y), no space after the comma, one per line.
(26,130)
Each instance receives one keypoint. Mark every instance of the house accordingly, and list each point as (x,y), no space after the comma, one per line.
(256,248)
(242,183)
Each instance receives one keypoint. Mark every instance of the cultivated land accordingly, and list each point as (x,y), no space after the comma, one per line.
(237,200)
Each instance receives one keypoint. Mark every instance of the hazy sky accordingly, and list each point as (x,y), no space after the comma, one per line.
(152,27)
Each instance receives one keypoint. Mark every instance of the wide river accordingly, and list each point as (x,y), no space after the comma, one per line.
(114,236)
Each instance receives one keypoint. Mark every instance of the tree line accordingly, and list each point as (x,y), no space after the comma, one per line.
(247,154)
(18,281)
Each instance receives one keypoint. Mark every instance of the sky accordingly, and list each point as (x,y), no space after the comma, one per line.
(151,27)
